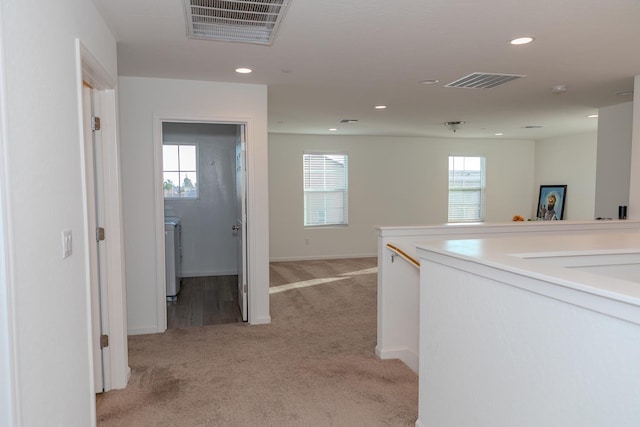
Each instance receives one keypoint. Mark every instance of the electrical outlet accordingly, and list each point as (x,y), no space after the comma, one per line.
(67,244)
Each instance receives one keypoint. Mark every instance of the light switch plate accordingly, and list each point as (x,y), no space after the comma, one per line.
(67,247)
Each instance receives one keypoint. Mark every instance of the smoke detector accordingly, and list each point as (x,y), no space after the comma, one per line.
(453,126)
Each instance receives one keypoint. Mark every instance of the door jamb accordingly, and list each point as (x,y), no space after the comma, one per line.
(10,408)
(158,120)
(89,69)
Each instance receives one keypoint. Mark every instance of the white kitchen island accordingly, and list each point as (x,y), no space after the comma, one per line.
(530,331)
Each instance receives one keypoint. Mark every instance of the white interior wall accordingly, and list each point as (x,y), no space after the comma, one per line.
(53,374)
(569,160)
(613,170)
(209,246)
(392,181)
(141,99)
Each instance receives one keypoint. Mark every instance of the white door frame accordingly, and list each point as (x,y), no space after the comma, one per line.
(9,388)
(241,219)
(89,69)
(94,202)
(158,120)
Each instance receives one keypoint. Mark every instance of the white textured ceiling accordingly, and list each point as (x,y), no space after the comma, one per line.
(334,60)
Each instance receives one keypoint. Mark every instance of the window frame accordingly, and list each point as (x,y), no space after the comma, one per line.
(179,171)
(480,189)
(344,190)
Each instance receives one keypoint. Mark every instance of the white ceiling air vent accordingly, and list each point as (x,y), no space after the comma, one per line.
(483,80)
(249,21)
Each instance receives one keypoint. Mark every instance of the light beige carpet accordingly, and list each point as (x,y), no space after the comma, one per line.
(314,365)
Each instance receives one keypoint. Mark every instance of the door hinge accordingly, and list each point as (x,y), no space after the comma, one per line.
(245,288)
(99,234)
(104,341)
(95,123)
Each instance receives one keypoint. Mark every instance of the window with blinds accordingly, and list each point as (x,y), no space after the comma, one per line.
(325,189)
(466,189)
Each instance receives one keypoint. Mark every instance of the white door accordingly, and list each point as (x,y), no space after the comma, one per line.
(95,217)
(240,227)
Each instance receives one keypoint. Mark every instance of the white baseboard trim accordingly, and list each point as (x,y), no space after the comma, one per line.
(261,321)
(323,257)
(142,331)
(407,356)
(124,382)
(209,273)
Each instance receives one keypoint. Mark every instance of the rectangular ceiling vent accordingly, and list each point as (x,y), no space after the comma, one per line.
(248,21)
(483,80)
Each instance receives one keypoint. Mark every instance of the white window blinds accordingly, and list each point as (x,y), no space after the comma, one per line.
(466,189)
(325,189)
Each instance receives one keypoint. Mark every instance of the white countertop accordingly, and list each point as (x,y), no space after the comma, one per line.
(544,258)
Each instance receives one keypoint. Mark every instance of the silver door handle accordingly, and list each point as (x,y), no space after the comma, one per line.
(235,227)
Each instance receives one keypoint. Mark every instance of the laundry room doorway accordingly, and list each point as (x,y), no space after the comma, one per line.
(204,192)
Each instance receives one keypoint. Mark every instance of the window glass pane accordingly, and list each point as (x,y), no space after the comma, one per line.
(472,163)
(170,157)
(171,184)
(188,184)
(322,208)
(187,157)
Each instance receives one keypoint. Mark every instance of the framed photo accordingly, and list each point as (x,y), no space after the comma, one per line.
(551,202)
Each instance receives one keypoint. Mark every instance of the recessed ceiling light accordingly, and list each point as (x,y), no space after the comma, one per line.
(592,116)
(429,82)
(380,107)
(244,70)
(333,130)
(557,89)
(498,134)
(521,40)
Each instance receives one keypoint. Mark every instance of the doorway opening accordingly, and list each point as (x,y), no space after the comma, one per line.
(204,192)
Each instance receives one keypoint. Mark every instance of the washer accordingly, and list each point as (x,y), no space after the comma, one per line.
(173,256)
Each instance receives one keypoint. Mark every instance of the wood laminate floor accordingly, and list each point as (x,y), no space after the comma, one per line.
(205,301)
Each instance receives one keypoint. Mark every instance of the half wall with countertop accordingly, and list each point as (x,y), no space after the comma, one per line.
(398,281)
(531,331)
